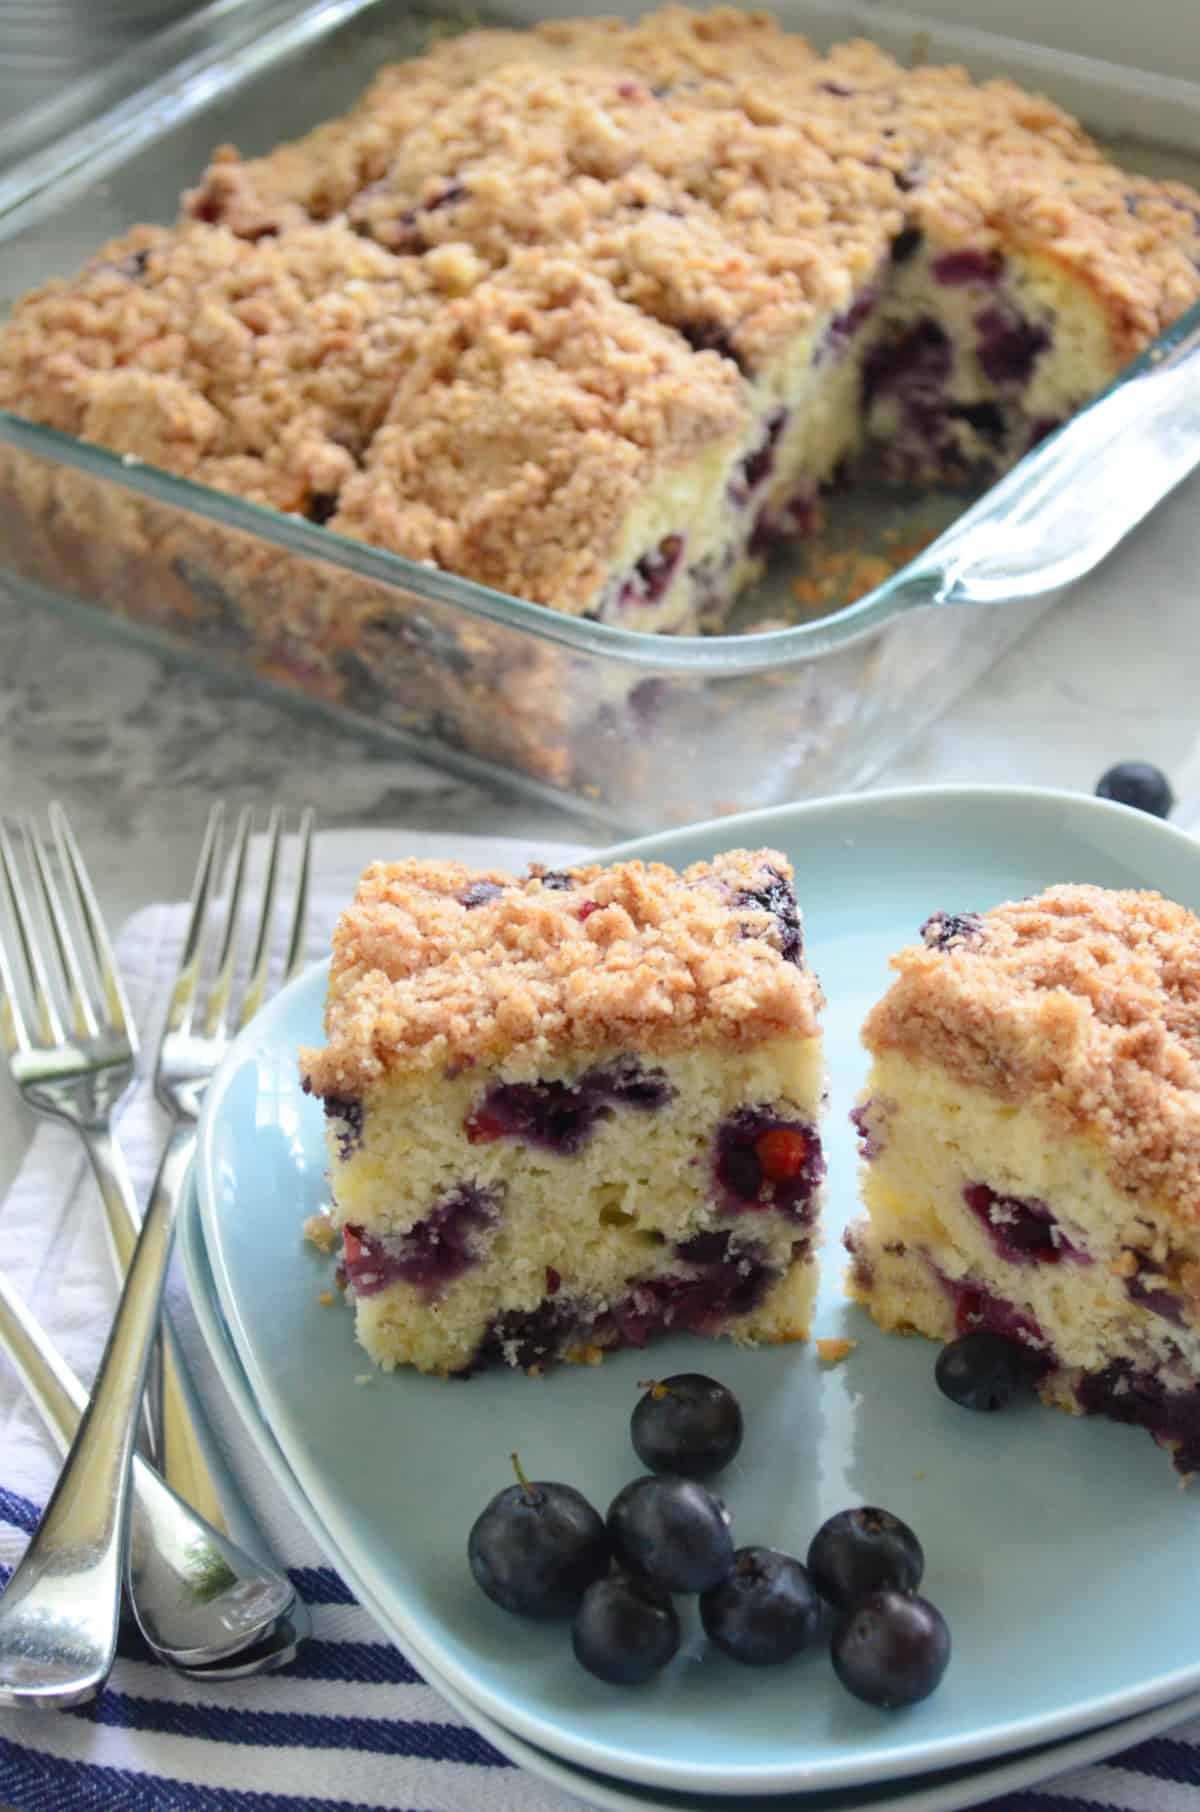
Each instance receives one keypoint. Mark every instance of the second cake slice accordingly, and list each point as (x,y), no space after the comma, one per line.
(573,1111)
(1031,1136)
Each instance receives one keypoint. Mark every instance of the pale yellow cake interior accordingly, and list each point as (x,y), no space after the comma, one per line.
(936,1135)
(612,1211)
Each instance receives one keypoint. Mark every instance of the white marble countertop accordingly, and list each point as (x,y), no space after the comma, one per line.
(137,748)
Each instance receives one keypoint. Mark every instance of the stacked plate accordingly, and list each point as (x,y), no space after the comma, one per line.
(1043,1535)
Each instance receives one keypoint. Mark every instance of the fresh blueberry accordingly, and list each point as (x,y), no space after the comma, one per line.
(982,1370)
(861,1551)
(688,1424)
(673,1532)
(1139,784)
(891,1649)
(624,1632)
(537,1547)
(765,1610)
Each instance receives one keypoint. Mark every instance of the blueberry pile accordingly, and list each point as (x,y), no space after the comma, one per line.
(541,1550)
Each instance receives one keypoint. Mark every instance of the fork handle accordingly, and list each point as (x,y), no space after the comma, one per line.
(60,1610)
(180,1445)
(121,1222)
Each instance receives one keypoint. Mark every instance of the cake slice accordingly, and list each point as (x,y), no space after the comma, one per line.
(1030,1131)
(569,1112)
(553,442)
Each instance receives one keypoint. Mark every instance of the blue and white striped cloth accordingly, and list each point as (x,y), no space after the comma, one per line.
(350,1726)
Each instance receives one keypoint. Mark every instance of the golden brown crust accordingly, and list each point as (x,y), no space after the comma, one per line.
(322,172)
(804,169)
(634,957)
(263,369)
(703,216)
(1083,1002)
(539,411)
(503,428)
(493,383)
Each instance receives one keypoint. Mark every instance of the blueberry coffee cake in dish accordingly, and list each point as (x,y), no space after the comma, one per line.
(1030,1131)
(572,1111)
(592,314)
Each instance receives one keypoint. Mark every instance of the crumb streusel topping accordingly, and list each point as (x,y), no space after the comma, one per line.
(527,309)
(801,165)
(1084,1003)
(503,427)
(435,965)
(538,410)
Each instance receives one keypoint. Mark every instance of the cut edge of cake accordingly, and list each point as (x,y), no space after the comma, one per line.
(1030,1136)
(600,1092)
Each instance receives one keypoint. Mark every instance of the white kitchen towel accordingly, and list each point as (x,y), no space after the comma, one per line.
(351,1726)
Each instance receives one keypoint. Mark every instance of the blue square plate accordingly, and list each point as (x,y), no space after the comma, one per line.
(948,1790)
(1060,1550)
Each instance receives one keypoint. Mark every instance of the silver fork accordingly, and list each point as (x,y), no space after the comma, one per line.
(60,1610)
(78,1073)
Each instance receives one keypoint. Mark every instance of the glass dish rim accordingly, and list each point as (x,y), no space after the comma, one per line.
(915,584)
(922,581)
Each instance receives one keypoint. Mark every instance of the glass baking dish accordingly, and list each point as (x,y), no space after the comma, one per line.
(637,730)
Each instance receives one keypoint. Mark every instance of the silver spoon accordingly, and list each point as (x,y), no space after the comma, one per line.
(274,1650)
(198,1598)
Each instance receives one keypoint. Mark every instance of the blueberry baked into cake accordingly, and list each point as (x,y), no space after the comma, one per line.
(1030,1132)
(573,1111)
(594,313)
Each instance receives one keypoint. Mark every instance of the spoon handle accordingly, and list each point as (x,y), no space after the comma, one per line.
(52,1386)
(59,1613)
(178,1444)
(175,1557)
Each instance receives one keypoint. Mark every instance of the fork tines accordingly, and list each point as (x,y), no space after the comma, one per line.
(83,1000)
(217,1014)
(59,982)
